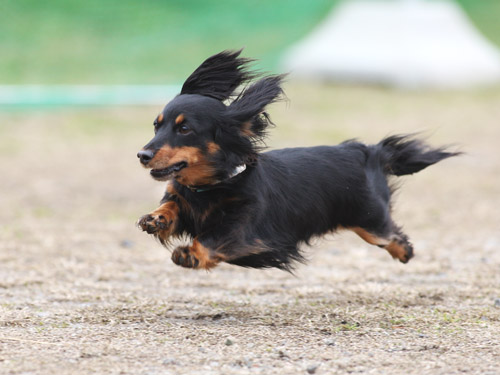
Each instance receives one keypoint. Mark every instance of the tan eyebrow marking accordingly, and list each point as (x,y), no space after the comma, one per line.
(179,119)
(160,118)
(212,147)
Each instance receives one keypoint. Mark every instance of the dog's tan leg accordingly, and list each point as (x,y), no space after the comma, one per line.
(162,221)
(396,244)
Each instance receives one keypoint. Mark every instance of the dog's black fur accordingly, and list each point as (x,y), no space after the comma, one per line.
(258,217)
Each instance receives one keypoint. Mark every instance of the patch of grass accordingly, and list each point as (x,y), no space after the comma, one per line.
(347,326)
(41,212)
(142,42)
(484,14)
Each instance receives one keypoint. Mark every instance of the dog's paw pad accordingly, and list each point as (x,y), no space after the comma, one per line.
(184,258)
(153,223)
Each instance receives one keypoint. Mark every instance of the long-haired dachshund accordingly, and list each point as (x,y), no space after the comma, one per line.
(250,208)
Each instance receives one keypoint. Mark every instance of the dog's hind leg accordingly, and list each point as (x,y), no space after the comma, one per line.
(392,239)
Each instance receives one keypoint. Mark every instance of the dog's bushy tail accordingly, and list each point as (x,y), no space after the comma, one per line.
(403,154)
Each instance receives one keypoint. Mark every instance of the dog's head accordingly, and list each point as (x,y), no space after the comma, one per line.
(199,138)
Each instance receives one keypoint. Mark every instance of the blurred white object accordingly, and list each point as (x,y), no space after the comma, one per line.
(407,43)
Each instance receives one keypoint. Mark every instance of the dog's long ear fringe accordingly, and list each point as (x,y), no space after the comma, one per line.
(247,109)
(218,76)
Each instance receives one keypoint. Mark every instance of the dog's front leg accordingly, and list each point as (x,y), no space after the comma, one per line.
(197,256)
(162,221)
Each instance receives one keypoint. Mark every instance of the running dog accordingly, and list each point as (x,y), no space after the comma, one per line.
(240,205)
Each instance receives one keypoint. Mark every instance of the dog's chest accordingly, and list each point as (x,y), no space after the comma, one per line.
(208,217)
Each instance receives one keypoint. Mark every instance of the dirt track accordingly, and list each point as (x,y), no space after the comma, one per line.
(83,291)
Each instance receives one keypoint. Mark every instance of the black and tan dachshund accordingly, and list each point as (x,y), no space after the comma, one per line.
(239,205)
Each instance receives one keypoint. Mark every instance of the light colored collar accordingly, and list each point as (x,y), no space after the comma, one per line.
(236,171)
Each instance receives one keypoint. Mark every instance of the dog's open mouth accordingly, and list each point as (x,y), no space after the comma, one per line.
(166,172)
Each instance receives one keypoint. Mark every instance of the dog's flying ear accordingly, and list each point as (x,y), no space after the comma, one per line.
(218,76)
(247,110)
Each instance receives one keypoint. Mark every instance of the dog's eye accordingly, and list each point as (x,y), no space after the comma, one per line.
(183,129)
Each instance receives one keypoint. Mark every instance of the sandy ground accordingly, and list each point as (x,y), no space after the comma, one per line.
(82,291)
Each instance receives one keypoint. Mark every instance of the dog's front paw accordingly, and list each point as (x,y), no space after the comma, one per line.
(151,223)
(196,256)
(162,222)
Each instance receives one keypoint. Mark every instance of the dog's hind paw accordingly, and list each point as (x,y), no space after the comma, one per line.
(408,253)
(153,223)
(400,248)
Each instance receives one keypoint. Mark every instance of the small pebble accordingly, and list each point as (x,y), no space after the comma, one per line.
(217,316)
(169,361)
(311,369)
(329,342)
(282,354)
(229,342)
(497,302)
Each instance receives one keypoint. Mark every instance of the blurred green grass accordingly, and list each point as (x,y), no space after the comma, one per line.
(127,41)
(154,41)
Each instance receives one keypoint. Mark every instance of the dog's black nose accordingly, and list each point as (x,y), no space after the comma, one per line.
(145,156)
